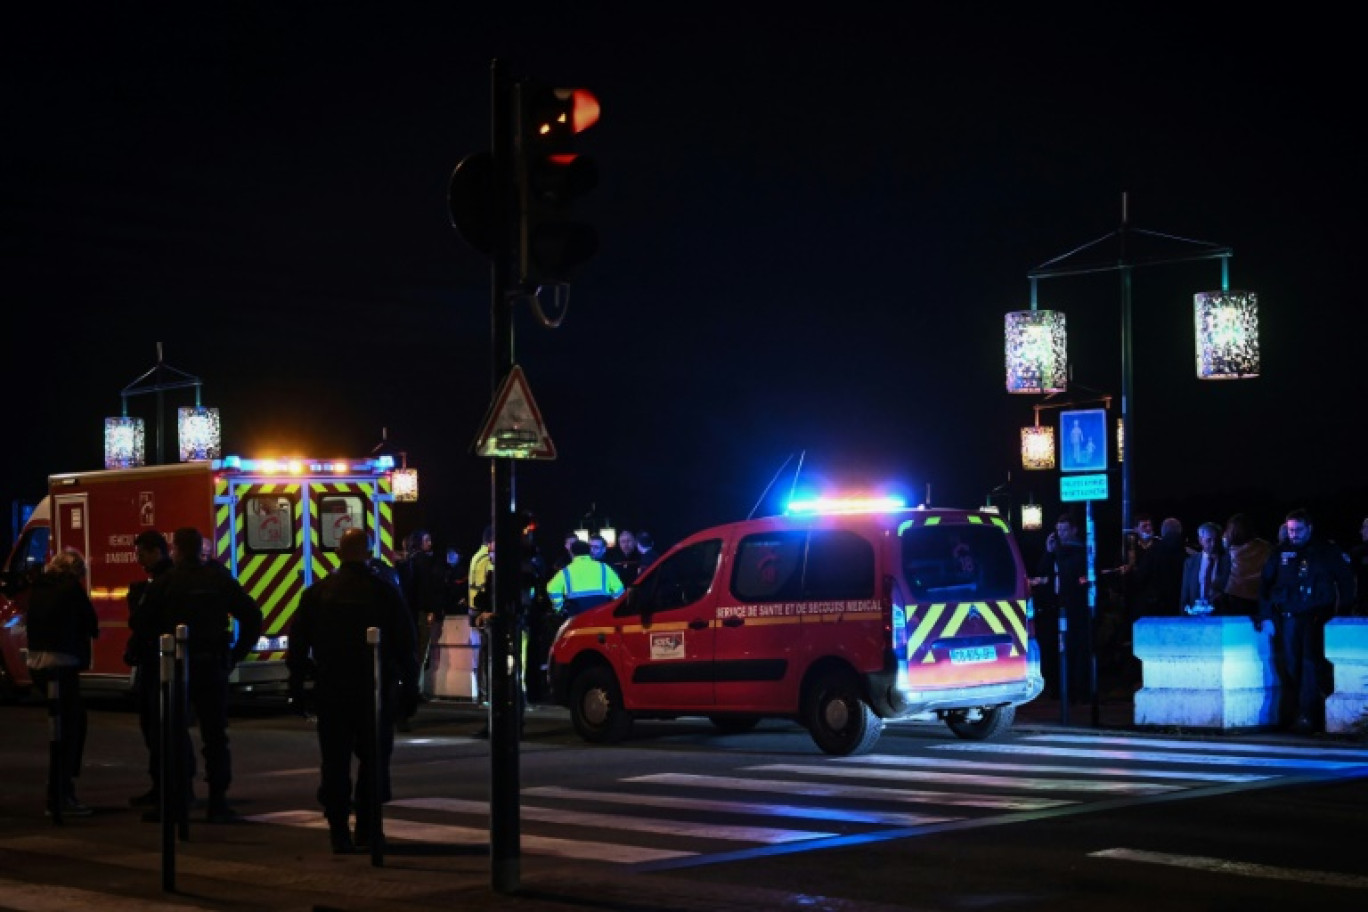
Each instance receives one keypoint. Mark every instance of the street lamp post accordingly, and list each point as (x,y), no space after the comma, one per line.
(1125,264)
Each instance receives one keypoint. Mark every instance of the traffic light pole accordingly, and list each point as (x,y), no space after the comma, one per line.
(505,721)
(514,204)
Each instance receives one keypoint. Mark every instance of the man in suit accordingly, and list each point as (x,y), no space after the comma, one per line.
(1205,573)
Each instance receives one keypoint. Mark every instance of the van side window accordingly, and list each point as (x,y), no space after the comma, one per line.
(29,556)
(958,563)
(677,580)
(840,565)
(268,522)
(769,567)
(824,565)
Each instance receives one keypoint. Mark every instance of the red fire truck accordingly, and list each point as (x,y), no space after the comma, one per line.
(274,523)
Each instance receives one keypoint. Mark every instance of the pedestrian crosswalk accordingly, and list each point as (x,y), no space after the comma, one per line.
(672,818)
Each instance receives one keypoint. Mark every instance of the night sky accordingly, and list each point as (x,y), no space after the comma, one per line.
(811,225)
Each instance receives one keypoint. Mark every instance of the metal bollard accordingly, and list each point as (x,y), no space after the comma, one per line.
(377,734)
(1063,664)
(181,779)
(169,742)
(55,759)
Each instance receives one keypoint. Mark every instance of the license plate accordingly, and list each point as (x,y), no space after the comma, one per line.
(970,655)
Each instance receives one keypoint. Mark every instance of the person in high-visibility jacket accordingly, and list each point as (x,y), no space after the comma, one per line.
(583,583)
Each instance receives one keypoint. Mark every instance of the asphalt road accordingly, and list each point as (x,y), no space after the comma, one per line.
(680,818)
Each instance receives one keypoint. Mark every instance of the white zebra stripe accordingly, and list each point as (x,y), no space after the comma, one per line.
(1132,772)
(737,807)
(863,792)
(441,834)
(968,779)
(693,829)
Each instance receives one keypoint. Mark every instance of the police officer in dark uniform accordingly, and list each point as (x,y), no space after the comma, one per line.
(1304,583)
(206,598)
(143,653)
(1064,567)
(328,644)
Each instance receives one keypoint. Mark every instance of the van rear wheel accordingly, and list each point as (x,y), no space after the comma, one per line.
(596,707)
(981,724)
(839,720)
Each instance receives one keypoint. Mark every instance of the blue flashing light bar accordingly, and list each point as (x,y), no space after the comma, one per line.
(305,466)
(839,505)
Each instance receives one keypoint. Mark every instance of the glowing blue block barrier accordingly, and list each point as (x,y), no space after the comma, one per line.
(1346,647)
(1205,672)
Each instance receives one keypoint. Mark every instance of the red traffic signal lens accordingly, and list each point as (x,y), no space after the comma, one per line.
(584,110)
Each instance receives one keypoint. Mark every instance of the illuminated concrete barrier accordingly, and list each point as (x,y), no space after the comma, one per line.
(452,674)
(1346,647)
(1205,672)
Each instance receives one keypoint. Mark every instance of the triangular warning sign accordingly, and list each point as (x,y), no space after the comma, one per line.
(513,429)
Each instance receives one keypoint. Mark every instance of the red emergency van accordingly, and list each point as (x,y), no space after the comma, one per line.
(837,614)
(274,523)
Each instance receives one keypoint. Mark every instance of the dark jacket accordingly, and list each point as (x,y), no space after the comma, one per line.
(1065,567)
(61,617)
(207,599)
(1192,580)
(1313,579)
(328,637)
(1158,577)
(143,631)
(420,578)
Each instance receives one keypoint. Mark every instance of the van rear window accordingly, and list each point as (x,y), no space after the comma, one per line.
(949,563)
(268,522)
(823,565)
(336,514)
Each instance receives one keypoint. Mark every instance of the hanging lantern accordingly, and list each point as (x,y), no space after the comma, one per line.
(124,442)
(404,479)
(405,485)
(1036,349)
(200,433)
(1227,325)
(1038,447)
(1032,517)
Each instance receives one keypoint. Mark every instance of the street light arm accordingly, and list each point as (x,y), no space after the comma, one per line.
(1041,273)
(1040,270)
(1053,268)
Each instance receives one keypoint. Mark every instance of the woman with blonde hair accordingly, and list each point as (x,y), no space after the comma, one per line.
(61,623)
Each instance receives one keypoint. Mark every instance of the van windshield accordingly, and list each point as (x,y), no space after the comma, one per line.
(948,563)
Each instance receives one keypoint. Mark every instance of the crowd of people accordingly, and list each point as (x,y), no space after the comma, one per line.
(1288,588)
(329,659)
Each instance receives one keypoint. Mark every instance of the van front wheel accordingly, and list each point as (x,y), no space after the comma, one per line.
(840,722)
(596,707)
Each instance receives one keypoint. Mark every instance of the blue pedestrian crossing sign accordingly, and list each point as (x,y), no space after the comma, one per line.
(1083,440)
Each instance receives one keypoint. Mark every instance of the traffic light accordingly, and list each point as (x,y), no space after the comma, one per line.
(550,176)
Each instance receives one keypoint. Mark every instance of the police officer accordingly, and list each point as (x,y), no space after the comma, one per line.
(328,644)
(583,583)
(206,598)
(1303,583)
(143,653)
(1064,567)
